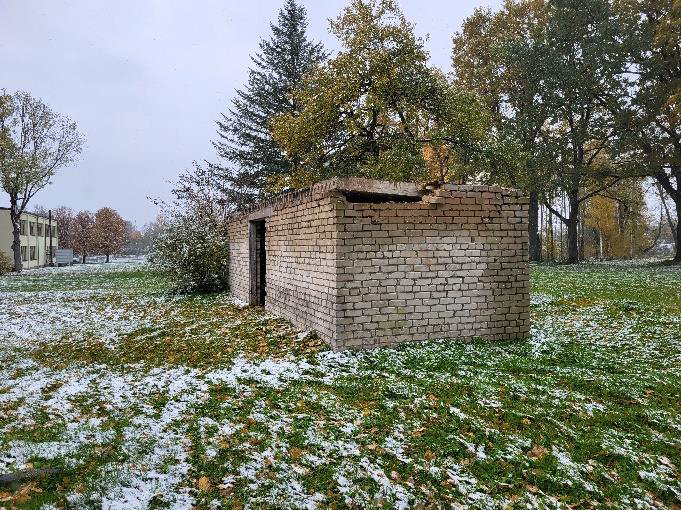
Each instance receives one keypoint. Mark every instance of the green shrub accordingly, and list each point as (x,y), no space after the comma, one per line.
(6,264)
(193,249)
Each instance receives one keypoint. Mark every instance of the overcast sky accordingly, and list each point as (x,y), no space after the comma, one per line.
(145,80)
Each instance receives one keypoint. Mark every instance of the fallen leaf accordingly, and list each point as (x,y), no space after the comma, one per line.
(204,484)
(537,452)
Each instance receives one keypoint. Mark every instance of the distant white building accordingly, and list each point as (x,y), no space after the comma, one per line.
(35,238)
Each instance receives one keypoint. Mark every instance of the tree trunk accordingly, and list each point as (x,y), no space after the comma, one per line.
(552,245)
(675,194)
(572,221)
(84,258)
(15,218)
(535,240)
(677,241)
(16,246)
(107,258)
(600,246)
(582,255)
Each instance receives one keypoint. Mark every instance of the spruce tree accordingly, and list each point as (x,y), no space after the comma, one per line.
(249,155)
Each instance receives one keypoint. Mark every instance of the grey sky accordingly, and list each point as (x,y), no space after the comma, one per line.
(145,80)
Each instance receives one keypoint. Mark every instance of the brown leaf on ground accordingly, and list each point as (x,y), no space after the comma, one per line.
(537,452)
(24,494)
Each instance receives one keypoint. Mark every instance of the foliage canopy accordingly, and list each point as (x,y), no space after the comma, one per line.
(377,106)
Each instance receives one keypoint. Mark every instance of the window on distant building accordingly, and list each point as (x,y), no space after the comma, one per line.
(31,228)
(40,229)
(33,253)
(54,231)
(23,227)
(23,254)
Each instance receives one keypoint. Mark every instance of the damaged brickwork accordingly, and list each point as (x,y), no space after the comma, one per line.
(370,263)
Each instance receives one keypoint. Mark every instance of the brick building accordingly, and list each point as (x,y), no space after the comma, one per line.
(371,263)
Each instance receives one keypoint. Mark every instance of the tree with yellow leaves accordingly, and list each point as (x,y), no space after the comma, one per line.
(618,222)
(373,108)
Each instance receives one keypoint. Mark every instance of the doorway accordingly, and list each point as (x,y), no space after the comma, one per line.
(257,258)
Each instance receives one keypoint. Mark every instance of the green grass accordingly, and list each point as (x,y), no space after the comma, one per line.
(152,400)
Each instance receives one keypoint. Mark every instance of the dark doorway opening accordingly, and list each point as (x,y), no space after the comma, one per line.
(257,261)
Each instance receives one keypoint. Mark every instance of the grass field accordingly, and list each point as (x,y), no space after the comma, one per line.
(140,399)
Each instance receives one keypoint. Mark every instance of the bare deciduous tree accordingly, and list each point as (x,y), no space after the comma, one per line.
(35,142)
(64,217)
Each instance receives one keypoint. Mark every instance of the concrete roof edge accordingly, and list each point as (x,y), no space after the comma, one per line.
(342,184)
(371,186)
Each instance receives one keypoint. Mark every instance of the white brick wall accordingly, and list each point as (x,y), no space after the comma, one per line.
(453,265)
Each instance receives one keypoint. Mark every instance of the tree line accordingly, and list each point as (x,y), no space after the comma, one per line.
(104,232)
(576,103)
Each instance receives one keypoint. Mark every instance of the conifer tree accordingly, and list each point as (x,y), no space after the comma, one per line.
(249,155)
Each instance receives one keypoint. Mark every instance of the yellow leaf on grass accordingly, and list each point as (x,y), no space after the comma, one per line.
(204,484)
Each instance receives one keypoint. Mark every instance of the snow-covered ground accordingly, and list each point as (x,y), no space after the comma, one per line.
(142,399)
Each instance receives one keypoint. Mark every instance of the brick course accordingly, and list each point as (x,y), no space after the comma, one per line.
(452,263)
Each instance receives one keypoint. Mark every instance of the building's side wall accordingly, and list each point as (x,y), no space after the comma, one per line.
(39,240)
(300,260)
(452,266)
(237,230)
(301,264)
